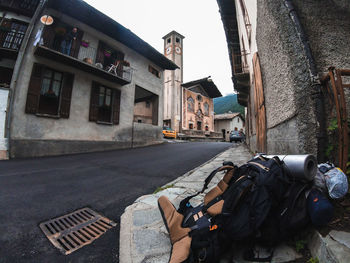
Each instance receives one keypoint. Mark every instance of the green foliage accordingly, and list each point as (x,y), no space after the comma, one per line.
(163,188)
(300,245)
(313,260)
(333,125)
(226,104)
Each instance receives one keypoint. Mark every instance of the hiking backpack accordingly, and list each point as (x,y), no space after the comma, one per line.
(252,203)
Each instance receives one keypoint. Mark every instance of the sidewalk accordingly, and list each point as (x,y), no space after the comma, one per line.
(144,238)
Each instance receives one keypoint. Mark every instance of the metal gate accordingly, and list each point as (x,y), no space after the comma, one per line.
(336,90)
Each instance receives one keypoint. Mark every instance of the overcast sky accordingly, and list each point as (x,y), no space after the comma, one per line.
(204,48)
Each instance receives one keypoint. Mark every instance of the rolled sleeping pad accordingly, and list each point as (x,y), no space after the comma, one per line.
(302,167)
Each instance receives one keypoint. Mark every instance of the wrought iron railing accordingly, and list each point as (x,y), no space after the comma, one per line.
(88,55)
(26,7)
(10,39)
(240,64)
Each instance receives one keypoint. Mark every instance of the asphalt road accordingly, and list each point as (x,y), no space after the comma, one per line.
(35,190)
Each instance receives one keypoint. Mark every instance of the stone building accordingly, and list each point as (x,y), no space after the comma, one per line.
(290,64)
(83,81)
(228,122)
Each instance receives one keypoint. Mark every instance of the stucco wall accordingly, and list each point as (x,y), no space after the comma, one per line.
(286,81)
(77,127)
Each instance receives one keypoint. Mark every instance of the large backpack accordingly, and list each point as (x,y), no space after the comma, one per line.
(253,202)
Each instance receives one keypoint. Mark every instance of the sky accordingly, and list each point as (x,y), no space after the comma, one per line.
(205,50)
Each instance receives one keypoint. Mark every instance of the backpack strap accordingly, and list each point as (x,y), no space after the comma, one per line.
(185,202)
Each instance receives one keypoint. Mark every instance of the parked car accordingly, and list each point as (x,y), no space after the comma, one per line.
(236,136)
(169,133)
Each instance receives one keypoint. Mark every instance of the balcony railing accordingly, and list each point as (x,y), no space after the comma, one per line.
(11,37)
(87,54)
(25,7)
(240,64)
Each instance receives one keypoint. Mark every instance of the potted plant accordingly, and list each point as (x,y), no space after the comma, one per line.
(85,43)
(107,53)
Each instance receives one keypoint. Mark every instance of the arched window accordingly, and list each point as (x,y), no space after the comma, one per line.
(206,109)
(190,104)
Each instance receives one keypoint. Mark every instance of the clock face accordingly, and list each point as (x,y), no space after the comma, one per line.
(168,50)
(178,50)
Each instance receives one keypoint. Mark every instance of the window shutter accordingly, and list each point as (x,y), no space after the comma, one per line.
(49,35)
(66,95)
(116,106)
(34,88)
(93,114)
(99,55)
(76,44)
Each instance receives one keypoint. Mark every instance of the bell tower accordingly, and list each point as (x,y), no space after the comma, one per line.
(173,50)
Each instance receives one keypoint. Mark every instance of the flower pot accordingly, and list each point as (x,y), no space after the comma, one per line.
(85,44)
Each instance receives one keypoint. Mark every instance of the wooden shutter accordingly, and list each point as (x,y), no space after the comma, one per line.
(259,106)
(76,44)
(155,106)
(116,106)
(93,113)
(66,95)
(100,57)
(34,88)
(49,35)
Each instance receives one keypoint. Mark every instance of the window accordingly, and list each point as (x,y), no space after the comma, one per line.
(154,71)
(238,120)
(49,92)
(199,97)
(168,40)
(190,126)
(148,104)
(177,40)
(206,128)
(206,109)
(104,104)
(12,35)
(190,104)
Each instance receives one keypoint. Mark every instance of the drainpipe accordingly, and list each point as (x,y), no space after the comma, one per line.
(317,95)
(18,66)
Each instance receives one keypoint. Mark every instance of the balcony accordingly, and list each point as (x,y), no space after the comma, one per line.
(241,77)
(23,7)
(85,58)
(11,37)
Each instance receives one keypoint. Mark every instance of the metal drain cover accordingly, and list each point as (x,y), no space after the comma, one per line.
(75,230)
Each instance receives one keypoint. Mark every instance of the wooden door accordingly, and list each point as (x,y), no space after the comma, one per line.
(259,103)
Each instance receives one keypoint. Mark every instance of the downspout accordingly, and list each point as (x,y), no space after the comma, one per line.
(18,66)
(317,95)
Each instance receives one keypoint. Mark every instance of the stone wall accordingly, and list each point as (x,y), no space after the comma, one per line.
(286,81)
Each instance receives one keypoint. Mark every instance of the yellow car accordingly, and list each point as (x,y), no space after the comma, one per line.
(169,133)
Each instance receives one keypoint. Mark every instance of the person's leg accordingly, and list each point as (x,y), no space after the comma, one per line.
(63,46)
(68,47)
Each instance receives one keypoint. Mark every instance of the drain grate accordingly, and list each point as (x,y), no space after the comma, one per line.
(75,230)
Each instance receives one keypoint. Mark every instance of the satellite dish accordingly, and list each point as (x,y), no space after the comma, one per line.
(46,20)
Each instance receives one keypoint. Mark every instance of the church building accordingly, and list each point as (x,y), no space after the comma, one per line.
(188,107)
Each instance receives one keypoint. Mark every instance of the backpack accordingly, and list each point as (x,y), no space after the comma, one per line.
(252,203)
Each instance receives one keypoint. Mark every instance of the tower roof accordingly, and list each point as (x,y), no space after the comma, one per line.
(173,33)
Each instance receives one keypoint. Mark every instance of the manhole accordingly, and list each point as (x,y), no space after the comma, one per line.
(75,230)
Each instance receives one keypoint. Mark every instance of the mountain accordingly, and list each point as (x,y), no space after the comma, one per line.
(226,104)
